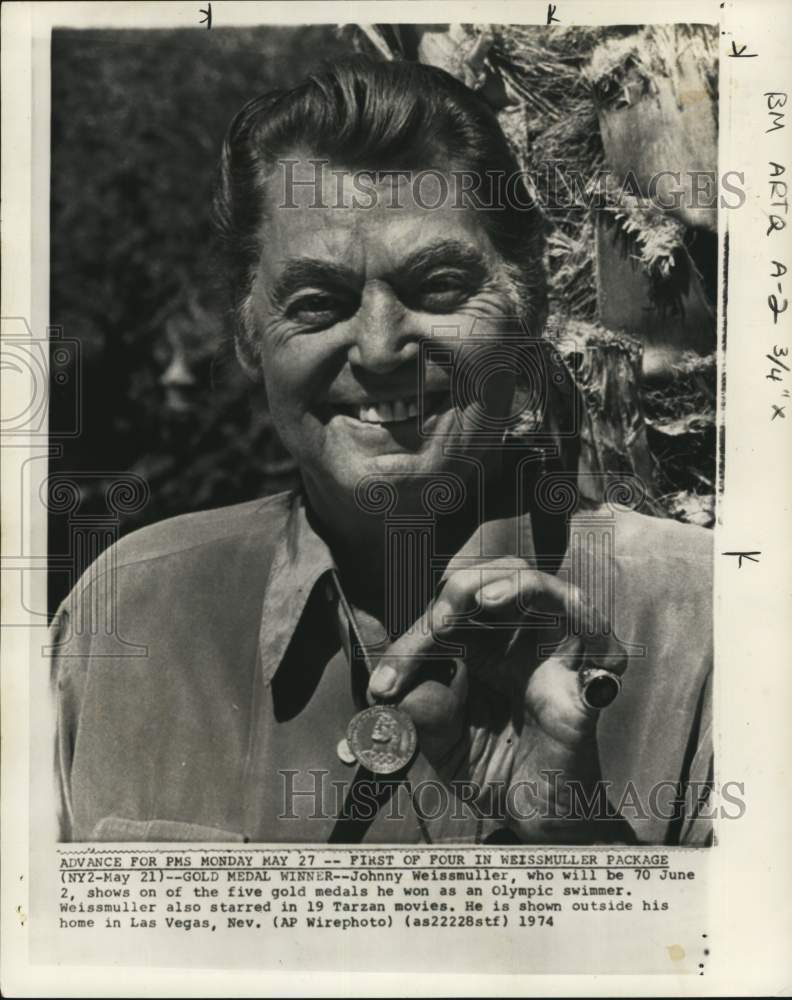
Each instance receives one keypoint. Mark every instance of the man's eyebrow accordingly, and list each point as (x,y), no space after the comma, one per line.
(299,272)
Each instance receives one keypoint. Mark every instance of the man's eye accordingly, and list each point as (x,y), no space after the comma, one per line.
(318,308)
(444,291)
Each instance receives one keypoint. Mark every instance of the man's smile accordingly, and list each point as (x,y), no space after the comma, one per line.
(392,411)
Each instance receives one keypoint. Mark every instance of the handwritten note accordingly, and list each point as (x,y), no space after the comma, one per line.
(779,368)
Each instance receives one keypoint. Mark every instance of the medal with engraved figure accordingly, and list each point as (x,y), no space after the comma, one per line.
(382,738)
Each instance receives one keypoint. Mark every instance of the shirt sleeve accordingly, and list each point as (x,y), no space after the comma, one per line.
(68,683)
(697,829)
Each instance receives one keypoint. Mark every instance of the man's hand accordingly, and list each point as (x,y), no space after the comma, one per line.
(494,706)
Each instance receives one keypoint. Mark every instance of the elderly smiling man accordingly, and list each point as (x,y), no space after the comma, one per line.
(410,648)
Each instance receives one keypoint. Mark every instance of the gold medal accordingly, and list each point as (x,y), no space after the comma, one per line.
(382,738)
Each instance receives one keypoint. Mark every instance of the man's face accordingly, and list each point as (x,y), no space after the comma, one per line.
(384,730)
(343,299)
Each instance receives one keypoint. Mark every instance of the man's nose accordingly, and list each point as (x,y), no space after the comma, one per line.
(385,335)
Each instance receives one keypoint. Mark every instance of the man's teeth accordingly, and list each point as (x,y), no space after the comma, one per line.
(389,412)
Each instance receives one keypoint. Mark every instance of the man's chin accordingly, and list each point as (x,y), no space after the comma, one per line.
(405,475)
(355,452)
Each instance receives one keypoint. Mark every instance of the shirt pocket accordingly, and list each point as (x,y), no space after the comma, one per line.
(122,830)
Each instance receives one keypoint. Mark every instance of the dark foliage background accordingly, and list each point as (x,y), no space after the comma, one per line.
(138,118)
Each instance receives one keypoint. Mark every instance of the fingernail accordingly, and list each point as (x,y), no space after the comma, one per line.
(382,681)
(497,591)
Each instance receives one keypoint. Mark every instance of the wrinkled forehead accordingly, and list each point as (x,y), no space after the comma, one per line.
(364,218)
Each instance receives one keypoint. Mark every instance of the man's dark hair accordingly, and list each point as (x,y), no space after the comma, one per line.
(367,115)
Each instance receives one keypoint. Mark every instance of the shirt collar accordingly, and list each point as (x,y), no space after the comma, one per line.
(302,559)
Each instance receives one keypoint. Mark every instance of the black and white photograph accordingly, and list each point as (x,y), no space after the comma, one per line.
(469,323)
(397,425)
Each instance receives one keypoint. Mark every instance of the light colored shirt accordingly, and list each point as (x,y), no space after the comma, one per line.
(210,703)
